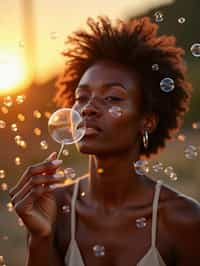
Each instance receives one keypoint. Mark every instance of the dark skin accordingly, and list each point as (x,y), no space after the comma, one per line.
(117,197)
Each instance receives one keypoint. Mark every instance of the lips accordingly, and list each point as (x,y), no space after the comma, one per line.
(90,128)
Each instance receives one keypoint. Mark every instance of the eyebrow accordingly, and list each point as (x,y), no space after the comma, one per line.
(106,85)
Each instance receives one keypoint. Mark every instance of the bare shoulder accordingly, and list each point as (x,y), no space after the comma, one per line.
(180,215)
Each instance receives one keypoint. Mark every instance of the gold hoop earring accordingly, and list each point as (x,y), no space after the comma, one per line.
(145,139)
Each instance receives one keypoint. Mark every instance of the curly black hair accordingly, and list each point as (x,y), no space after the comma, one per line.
(135,44)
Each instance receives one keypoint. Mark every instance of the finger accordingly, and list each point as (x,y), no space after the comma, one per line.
(40,168)
(51,157)
(37,181)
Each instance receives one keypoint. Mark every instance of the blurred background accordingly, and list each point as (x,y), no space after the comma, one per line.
(32,36)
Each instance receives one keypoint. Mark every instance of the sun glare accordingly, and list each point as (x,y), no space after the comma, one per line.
(12,73)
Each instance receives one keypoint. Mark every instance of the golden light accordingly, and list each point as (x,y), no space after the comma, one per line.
(12,73)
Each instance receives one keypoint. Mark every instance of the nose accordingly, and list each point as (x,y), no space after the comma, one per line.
(89,110)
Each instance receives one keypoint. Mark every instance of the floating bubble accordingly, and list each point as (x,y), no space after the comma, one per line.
(7,101)
(14,127)
(2,124)
(22,144)
(65,209)
(169,171)
(100,170)
(99,251)
(20,99)
(65,152)
(115,111)
(44,145)
(37,114)
(10,206)
(157,167)
(4,110)
(63,126)
(155,67)
(181,20)
(159,17)
(47,114)
(4,186)
(195,49)
(141,167)
(173,177)
(196,125)
(191,152)
(70,173)
(37,131)
(2,174)
(17,139)
(181,137)
(82,194)
(21,117)
(17,160)
(167,85)
(141,222)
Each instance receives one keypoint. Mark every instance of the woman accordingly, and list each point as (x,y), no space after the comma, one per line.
(124,218)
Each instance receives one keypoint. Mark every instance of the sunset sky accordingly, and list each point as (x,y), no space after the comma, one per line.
(53,21)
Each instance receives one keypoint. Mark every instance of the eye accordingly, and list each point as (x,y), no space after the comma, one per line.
(113,99)
(80,99)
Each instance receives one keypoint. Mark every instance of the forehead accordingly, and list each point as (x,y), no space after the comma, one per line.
(105,72)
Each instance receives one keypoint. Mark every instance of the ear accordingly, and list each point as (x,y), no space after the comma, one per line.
(149,122)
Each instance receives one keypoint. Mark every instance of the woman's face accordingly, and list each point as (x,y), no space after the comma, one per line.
(109,100)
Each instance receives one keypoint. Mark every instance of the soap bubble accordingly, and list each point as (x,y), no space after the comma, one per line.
(2,124)
(155,67)
(141,222)
(37,114)
(181,20)
(99,250)
(63,126)
(195,49)
(141,167)
(43,145)
(191,152)
(157,167)
(196,125)
(158,17)
(4,110)
(20,99)
(7,101)
(70,173)
(167,85)
(2,174)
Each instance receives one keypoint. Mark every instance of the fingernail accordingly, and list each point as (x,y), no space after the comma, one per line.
(53,186)
(56,162)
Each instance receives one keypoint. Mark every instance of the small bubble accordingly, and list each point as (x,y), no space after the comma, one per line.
(181,20)
(100,170)
(4,110)
(20,99)
(82,194)
(2,174)
(155,67)
(14,127)
(37,131)
(65,209)
(2,124)
(173,177)
(195,49)
(167,85)
(169,171)
(22,144)
(10,206)
(115,111)
(141,167)
(99,251)
(17,160)
(159,17)
(4,186)
(196,125)
(21,117)
(191,152)
(157,167)
(7,101)
(44,145)
(141,222)
(37,114)
(65,152)
(47,114)
(181,137)
(70,173)
(17,139)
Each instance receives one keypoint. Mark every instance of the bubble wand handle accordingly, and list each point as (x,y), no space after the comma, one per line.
(60,151)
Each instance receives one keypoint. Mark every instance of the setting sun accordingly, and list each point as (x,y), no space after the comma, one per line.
(12,73)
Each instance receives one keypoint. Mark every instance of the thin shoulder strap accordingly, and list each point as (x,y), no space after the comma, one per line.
(155,211)
(73,210)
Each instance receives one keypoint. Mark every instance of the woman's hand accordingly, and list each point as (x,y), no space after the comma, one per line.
(33,199)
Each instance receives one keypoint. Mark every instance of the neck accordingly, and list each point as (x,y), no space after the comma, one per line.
(112,179)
